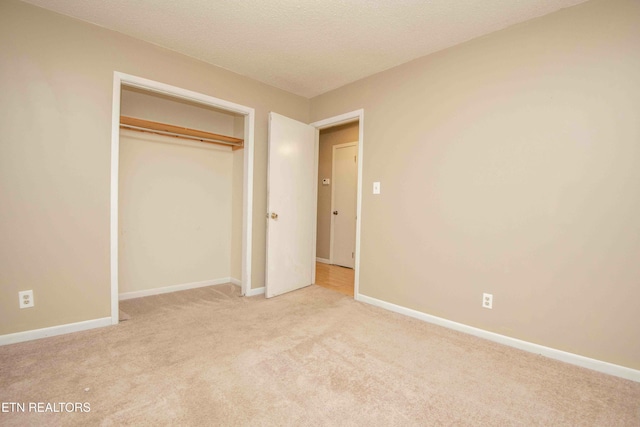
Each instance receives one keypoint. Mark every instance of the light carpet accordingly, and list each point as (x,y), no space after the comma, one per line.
(312,357)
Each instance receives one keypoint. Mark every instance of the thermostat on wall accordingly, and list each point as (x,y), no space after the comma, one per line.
(326,181)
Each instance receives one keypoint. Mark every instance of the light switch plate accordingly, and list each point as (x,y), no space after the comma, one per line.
(376,188)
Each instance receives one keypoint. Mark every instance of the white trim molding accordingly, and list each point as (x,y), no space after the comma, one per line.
(254,292)
(173,288)
(53,331)
(235,281)
(552,353)
(323,260)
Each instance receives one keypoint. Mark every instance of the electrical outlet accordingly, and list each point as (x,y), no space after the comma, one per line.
(26,299)
(487,300)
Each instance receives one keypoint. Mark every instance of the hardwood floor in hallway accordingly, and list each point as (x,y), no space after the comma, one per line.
(335,278)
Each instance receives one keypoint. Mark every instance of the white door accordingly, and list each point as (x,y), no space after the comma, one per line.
(343,204)
(291,204)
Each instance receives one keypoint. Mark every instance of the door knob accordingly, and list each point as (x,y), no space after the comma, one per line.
(335,212)
(274,215)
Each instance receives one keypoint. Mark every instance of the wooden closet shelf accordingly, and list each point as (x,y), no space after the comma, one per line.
(142,125)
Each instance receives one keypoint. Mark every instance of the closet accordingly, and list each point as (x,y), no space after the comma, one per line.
(180,194)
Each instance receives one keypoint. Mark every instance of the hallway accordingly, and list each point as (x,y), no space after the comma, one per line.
(335,278)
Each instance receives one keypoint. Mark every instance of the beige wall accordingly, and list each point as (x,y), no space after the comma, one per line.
(56,80)
(236,214)
(147,105)
(175,212)
(328,138)
(510,164)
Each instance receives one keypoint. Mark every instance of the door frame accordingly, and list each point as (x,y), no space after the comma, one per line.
(333,187)
(122,79)
(352,116)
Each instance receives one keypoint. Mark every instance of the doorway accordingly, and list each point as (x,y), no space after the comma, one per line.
(180,195)
(339,173)
(248,118)
(283,160)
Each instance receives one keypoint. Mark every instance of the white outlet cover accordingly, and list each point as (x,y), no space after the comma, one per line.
(26,299)
(487,300)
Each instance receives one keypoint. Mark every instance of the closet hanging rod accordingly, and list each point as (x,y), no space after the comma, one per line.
(142,125)
(178,135)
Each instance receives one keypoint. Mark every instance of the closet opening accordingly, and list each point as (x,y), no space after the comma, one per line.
(181,191)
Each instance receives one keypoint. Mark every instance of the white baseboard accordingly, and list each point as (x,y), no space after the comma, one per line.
(255,291)
(323,260)
(552,353)
(54,330)
(235,281)
(173,288)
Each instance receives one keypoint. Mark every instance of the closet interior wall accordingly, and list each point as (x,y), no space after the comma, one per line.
(180,201)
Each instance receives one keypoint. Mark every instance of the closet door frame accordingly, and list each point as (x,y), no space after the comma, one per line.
(122,79)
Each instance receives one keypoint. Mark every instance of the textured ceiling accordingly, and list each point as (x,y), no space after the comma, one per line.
(307,47)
